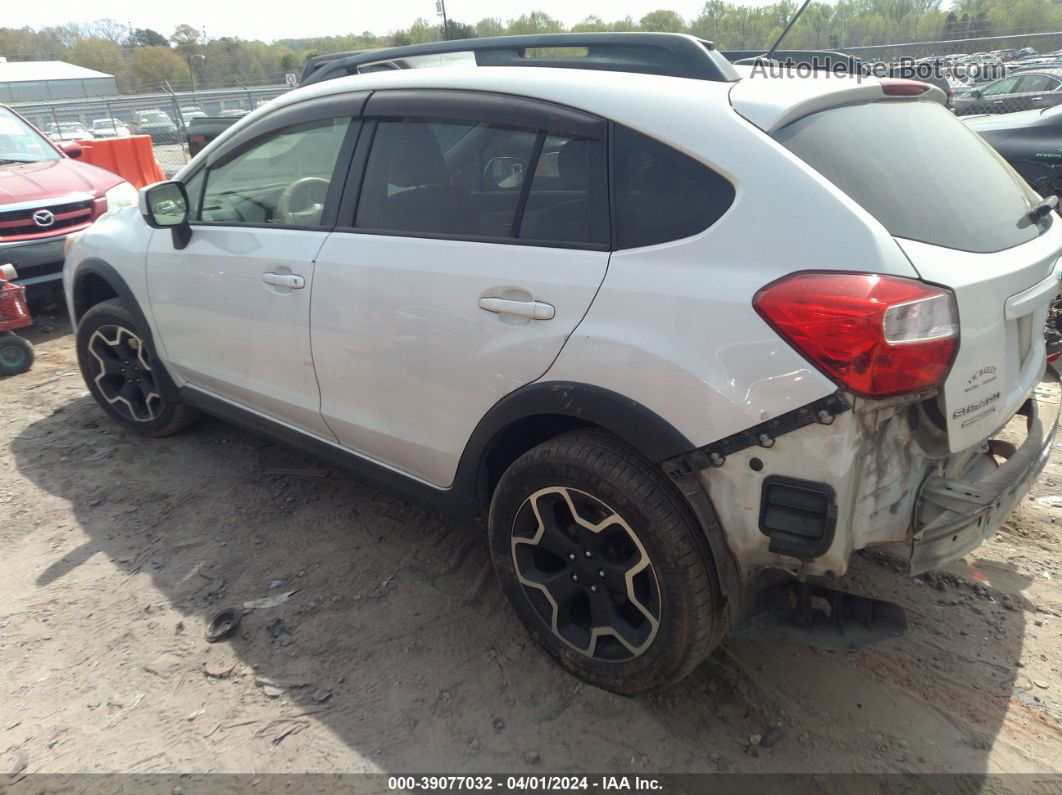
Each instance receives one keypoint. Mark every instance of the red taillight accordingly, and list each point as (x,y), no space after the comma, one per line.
(903,88)
(875,335)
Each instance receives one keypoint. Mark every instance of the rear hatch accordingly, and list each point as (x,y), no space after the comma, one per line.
(961,215)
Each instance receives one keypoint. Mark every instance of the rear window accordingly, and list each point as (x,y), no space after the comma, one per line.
(920,172)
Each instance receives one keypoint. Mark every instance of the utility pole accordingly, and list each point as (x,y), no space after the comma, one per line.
(440,10)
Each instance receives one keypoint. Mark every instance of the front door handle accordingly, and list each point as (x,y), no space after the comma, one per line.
(536,310)
(289,280)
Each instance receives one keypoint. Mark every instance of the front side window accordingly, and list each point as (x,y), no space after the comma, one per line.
(444,178)
(281,179)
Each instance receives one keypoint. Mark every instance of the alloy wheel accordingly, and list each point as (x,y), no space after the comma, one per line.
(122,373)
(586,573)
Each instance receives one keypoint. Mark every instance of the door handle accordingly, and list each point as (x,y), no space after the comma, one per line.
(536,310)
(289,280)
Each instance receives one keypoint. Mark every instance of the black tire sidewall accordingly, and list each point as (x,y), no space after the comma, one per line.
(24,346)
(662,662)
(112,313)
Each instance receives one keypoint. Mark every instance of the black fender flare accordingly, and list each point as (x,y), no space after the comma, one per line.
(636,424)
(109,274)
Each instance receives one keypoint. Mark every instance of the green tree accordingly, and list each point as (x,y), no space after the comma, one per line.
(535,22)
(664,21)
(185,37)
(153,67)
(490,26)
(458,30)
(146,37)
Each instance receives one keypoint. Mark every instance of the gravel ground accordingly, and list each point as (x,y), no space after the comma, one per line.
(394,650)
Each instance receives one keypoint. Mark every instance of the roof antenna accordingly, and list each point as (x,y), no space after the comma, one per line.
(770,53)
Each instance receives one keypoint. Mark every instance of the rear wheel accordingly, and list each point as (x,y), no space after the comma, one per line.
(604,564)
(122,375)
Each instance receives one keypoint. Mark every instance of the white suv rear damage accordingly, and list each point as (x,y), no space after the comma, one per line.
(728,330)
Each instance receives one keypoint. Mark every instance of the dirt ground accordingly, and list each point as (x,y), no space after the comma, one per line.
(395,651)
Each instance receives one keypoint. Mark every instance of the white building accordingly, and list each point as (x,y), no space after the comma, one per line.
(31,81)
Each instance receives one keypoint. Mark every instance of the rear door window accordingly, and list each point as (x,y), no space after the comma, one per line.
(483,181)
(1031,83)
(568,197)
(460,178)
(917,169)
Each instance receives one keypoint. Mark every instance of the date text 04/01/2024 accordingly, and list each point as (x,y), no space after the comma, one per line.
(541,783)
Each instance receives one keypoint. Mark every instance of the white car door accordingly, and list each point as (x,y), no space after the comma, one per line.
(478,242)
(232,307)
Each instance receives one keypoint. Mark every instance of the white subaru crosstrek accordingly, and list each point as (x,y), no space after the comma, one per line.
(681,334)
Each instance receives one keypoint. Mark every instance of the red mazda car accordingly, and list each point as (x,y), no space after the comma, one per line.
(45,195)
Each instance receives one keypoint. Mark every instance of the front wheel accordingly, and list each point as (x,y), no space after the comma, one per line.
(604,564)
(122,375)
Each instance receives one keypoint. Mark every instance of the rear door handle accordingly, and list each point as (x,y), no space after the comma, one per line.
(289,280)
(536,310)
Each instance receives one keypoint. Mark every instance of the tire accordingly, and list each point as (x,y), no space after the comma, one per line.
(616,579)
(16,354)
(120,373)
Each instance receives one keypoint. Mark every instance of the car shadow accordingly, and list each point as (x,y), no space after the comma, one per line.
(395,640)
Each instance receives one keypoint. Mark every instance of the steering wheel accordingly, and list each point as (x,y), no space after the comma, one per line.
(310,192)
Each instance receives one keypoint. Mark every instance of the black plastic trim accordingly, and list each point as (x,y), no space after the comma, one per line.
(507,241)
(672,54)
(644,430)
(508,110)
(821,411)
(347,104)
(109,274)
(786,541)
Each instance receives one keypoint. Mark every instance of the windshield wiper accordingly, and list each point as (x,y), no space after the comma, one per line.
(1042,209)
(15,160)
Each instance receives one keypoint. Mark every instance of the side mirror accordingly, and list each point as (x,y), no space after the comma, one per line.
(976,93)
(71,148)
(164,205)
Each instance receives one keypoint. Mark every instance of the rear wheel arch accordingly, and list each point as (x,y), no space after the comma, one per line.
(538,412)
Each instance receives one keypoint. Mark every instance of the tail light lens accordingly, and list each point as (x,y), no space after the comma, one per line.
(875,335)
(903,88)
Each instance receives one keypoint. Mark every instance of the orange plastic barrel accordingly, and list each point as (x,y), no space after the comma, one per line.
(131,158)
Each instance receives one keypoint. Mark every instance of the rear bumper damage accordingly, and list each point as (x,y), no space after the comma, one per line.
(954,515)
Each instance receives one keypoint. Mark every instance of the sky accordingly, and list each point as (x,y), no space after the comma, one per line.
(269,20)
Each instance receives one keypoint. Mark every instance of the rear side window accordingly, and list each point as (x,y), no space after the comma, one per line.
(919,171)
(661,194)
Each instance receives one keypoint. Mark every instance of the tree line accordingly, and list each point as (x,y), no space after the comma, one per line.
(143,59)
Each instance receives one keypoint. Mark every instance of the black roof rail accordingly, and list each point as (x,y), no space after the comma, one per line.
(672,54)
(815,59)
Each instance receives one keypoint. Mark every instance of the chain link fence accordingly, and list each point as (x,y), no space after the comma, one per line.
(991,75)
(162,115)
